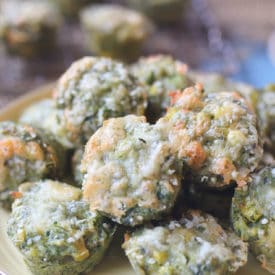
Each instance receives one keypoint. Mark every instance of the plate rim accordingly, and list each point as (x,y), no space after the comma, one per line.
(40,92)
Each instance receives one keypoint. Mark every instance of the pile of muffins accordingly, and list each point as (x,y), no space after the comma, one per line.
(180,161)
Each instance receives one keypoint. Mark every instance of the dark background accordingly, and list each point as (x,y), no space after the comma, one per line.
(235,37)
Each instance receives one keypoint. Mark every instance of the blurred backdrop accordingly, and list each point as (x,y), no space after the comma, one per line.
(235,38)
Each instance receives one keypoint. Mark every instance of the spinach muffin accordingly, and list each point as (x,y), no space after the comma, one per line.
(28,28)
(129,172)
(266,113)
(215,135)
(71,8)
(162,74)
(115,31)
(26,154)
(36,114)
(196,244)
(161,11)
(253,216)
(55,230)
(44,115)
(92,90)
(76,166)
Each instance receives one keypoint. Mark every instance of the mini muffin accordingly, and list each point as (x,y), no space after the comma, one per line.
(92,90)
(266,113)
(28,28)
(55,230)
(129,172)
(213,83)
(215,135)
(26,155)
(36,114)
(43,115)
(196,244)
(253,216)
(162,74)
(115,31)
(76,166)
(162,11)
(71,8)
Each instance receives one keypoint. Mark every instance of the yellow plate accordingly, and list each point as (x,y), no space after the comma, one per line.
(114,263)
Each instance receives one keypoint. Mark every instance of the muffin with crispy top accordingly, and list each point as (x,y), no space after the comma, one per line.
(215,135)
(129,171)
(26,154)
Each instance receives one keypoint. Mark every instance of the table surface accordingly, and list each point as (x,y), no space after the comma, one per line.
(245,20)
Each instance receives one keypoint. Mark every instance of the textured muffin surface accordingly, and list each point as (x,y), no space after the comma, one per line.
(129,172)
(26,154)
(196,244)
(215,135)
(92,90)
(55,230)
(253,216)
